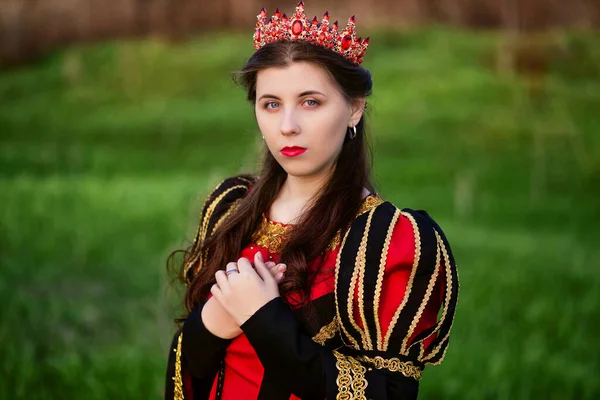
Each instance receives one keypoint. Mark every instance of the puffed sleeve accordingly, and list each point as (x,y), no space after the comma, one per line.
(196,354)
(394,273)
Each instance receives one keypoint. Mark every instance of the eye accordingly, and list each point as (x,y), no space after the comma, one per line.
(271,105)
(311,103)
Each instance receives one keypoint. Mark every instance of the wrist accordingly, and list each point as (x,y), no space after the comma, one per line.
(218,322)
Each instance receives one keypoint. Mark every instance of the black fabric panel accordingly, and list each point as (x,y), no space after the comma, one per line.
(169,383)
(286,350)
(202,352)
(271,387)
(226,202)
(425,268)
(380,223)
(322,309)
(347,262)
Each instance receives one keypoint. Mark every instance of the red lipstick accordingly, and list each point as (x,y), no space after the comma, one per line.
(292,151)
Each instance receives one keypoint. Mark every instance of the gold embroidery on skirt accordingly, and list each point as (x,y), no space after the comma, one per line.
(351,380)
(178,391)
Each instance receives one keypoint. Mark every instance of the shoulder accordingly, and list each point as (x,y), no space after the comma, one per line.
(401,232)
(220,201)
(230,188)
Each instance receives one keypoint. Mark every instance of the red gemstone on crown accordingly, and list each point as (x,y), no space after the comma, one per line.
(258,34)
(346,42)
(297,28)
(322,36)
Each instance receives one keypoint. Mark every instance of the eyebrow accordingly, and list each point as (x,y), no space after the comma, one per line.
(306,93)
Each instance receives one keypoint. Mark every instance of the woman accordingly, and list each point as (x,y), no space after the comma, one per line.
(302,282)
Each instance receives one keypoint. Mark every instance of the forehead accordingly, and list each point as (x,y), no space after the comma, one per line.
(294,78)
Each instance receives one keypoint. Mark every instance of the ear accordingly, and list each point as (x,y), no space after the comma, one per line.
(358,108)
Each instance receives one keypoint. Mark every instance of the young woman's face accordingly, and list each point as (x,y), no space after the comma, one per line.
(303,117)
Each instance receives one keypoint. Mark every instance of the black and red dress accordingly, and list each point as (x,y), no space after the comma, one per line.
(377,293)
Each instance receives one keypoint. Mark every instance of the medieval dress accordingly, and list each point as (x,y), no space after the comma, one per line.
(385,295)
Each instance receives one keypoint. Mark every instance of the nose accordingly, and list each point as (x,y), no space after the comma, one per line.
(289,124)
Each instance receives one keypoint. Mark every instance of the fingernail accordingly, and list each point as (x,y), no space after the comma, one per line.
(282,267)
(259,255)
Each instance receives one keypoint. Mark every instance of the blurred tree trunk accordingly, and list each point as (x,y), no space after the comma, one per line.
(31,27)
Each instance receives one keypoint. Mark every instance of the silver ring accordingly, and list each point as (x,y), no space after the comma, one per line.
(231,271)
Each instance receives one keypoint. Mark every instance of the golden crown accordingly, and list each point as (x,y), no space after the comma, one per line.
(298,27)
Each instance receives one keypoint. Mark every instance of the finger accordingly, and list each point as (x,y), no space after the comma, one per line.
(222,281)
(264,272)
(216,292)
(277,268)
(230,266)
(279,277)
(258,259)
(270,264)
(244,266)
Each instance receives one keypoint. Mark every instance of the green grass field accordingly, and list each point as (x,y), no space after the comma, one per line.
(107,152)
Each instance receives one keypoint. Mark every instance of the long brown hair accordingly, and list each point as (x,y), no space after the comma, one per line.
(332,210)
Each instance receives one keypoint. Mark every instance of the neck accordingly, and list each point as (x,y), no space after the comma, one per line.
(300,189)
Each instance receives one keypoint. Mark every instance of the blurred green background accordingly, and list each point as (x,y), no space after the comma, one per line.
(108,150)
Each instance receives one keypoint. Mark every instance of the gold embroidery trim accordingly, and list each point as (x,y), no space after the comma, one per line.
(378,286)
(417,317)
(351,380)
(336,294)
(199,230)
(203,225)
(225,216)
(272,235)
(447,299)
(406,368)
(327,332)
(360,267)
(211,209)
(394,320)
(178,391)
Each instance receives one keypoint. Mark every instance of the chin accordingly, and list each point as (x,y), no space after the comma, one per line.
(302,170)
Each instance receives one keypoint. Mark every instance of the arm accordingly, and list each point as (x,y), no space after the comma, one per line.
(374,363)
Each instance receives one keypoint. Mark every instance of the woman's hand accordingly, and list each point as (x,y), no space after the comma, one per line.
(244,292)
(218,321)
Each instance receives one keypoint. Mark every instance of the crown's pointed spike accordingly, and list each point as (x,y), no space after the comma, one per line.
(366,41)
(263,12)
(326,15)
(335,25)
(284,18)
(300,4)
(277,13)
(315,21)
(352,20)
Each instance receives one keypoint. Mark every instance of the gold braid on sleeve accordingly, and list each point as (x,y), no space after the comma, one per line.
(351,380)
(178,391)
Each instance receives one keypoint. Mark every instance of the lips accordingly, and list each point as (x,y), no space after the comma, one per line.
(292,151)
